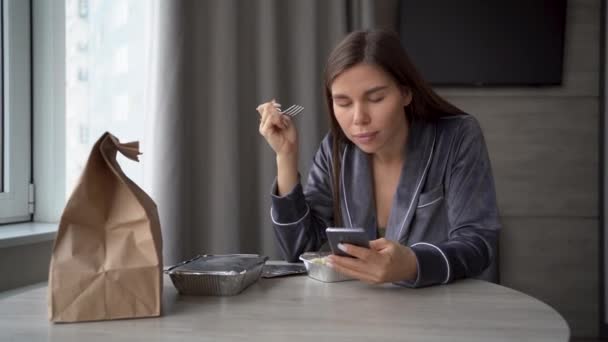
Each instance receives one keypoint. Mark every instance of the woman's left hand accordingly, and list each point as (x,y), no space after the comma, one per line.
(385,261)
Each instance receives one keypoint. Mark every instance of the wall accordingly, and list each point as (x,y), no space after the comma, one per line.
(24,264)
(544,147)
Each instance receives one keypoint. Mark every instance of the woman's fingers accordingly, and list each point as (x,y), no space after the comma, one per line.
(354,267)
(364,276)
(370,264)
(362,253)
(264,113)
(260,108)
(268,110)
(379,244)
(347,262)
(385,261)
(272,121)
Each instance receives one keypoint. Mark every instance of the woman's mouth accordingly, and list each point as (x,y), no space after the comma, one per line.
(365,138)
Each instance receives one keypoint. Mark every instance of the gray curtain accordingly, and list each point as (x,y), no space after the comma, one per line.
(215,61)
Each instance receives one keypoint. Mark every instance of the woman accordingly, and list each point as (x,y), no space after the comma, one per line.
(399,161)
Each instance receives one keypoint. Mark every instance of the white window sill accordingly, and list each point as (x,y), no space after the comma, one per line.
(26,233)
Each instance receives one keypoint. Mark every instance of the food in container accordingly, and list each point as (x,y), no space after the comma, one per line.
(315,263)
(216,275)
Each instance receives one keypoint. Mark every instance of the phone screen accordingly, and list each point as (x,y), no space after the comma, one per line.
(353,236)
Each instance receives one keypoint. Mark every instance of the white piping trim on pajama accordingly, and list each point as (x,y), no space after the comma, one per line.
(442,254)
(292,223)
(417,188)
(343,187)
(432,202)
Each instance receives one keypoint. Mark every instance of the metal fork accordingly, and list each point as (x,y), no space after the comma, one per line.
(292,111)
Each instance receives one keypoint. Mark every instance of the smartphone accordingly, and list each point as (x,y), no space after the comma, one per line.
(353,236)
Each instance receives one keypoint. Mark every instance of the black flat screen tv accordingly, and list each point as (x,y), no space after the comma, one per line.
(485,42)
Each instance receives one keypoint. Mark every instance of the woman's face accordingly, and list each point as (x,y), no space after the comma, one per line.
(369,107)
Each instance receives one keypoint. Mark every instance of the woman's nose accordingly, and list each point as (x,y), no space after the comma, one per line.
(361,116)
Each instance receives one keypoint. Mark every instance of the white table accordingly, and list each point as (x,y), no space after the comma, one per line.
(303,309)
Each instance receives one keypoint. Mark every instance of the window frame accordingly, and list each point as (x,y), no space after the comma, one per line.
(49,82)
(16,199)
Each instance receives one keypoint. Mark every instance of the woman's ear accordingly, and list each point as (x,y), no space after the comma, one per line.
(406,96)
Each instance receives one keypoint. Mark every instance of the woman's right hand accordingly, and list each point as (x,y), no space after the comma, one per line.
(278,130)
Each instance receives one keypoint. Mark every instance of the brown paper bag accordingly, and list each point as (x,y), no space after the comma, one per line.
(107,256)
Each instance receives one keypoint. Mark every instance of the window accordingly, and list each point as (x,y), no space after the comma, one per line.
(91,75)
(91,61)
(107,53)
(16,195)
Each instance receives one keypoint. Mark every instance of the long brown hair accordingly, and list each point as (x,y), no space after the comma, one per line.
(383,49)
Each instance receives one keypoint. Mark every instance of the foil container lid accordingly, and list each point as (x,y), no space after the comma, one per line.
(224,264)
(282,270)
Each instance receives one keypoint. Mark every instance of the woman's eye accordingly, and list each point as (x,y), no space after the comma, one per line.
(342,104)
(377,99)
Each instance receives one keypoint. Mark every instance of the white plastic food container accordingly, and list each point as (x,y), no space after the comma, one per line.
(317,269)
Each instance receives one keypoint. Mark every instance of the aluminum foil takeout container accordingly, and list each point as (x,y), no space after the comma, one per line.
(315,265)
(216,275)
